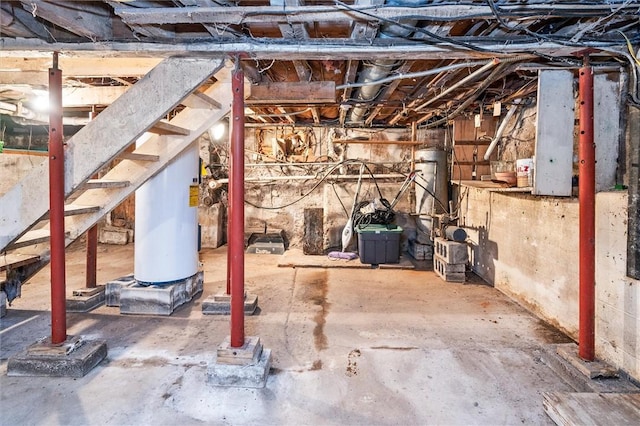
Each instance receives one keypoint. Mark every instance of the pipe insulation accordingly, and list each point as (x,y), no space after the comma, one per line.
(501,128)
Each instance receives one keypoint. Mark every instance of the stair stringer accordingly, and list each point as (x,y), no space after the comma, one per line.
(103,139)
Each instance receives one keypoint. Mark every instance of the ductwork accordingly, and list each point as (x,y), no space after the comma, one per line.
(379,69)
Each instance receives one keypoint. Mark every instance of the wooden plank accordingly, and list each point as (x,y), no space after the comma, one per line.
(91,20)
(312,92)
(554,133)
(31,238)
(73,209)
(136,156)
(105,183)
(335,13)
(607,99)
(200,100)
(16,260)
(464,129)
(313,239)
(571,409)
(165,128)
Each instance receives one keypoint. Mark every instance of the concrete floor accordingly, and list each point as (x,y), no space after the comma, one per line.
(350,346)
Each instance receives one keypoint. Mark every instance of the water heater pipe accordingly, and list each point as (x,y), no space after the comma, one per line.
(500,131)
(56,206)
(236,210)
(587,214)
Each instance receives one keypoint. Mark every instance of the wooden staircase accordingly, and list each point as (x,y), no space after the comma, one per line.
(136,116)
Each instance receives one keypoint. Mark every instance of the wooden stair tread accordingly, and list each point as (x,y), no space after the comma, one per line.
(106,183)
(137,156)
(74,209)
(16,260)
(199,100)
(165,128)
(30,238)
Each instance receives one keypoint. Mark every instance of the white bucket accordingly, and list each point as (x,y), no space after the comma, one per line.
(524,172)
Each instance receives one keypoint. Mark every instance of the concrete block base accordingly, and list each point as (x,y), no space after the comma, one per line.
(113,288)
(220,304)
(3,304)
(420,251)
(159,300)
(114,235)
(592,370)
(73,358)
(86,299)
(246,367)
(450,251)
(449,272)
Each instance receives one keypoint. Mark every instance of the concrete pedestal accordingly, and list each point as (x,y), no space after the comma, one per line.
(75,357)
(86,299)
(3,304)
(247,366)
(114,287)
(220,304)
(592,370)
(159,299)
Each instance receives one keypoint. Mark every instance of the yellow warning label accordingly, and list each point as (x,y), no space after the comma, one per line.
(193,195)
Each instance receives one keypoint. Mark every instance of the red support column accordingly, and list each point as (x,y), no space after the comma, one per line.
(56,206)
(587,192)
(236,210)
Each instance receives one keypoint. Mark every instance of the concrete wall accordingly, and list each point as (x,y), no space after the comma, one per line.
(273,192)
(14,166)
(527,247)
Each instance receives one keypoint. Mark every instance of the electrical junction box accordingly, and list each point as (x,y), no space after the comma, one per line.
(379,244)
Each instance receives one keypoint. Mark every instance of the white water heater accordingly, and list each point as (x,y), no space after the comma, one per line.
(432,177)
(166,226)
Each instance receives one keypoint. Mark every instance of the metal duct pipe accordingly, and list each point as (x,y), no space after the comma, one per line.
(381,68)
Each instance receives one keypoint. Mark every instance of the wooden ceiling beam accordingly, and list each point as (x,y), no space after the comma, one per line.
(339,13)
(312,92)
(334,49)
(88,19)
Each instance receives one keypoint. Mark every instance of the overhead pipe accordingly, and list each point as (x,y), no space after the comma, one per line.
(501,128)
(587,202)
(380,68)
(56,206)
(236,210)
(476,74)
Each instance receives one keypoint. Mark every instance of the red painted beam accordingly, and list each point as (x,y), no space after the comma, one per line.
(236,210)
(587,200)
(56,206)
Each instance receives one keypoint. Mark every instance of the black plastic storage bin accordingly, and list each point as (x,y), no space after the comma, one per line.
(378,243)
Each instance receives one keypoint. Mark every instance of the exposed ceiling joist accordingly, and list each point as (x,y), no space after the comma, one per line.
(344,13)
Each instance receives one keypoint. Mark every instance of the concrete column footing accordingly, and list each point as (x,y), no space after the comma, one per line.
(245,367)
(159,299)
(220,304)
(86,299)
(591,369)
(75,357)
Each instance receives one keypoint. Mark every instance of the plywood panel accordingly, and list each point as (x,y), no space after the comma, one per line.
(554,133)
(606,121)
